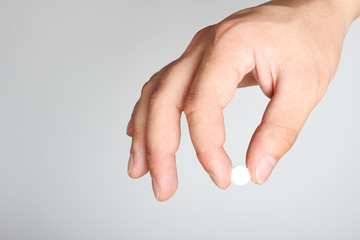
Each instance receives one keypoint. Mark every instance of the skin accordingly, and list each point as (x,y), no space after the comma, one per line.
(291,49)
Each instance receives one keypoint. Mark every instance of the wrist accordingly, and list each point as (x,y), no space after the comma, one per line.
(350,9)
(354,5)
(337,14)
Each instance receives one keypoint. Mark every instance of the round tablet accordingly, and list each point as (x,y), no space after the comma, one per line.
(240,175)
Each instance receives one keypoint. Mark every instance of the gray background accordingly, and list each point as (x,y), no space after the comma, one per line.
(70,73)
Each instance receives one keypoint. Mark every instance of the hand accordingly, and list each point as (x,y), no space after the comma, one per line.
(291,49)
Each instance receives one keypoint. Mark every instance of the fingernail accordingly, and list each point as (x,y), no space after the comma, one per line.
(156,188)
(264,169)
(131,163)
(215,180)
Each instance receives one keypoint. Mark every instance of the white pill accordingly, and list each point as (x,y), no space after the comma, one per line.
(240,175)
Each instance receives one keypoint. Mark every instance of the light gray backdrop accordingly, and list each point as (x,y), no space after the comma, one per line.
(70,73)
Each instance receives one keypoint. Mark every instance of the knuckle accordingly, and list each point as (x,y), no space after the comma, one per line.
(156,90)
(318,85)
(283,137)
(137,134)
(149,85)
(150,161)
(222,31)
(146,88)
(173,69)
(314,88)
(155,99)
(286,136)
(189,105)
(222,26)
(196,41)
(130,132)
(201,32)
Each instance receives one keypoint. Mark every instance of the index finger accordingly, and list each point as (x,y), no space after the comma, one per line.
(212,90)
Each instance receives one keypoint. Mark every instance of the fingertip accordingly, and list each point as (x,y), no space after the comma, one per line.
(264,169)
(163,188)
(138,173)
(137,166)
(218,165)
(251,163)
(255,152)
(226,182)
(224,176)
(130,163)
(216,180)
(221,183)
(267,146)
(163,174)
(260,165)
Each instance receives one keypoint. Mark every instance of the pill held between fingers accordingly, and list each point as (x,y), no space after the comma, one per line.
(240,175)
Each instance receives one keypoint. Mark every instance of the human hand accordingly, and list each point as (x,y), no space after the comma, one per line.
(291,49)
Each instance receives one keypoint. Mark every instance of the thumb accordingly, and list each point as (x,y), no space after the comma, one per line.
(282,121)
